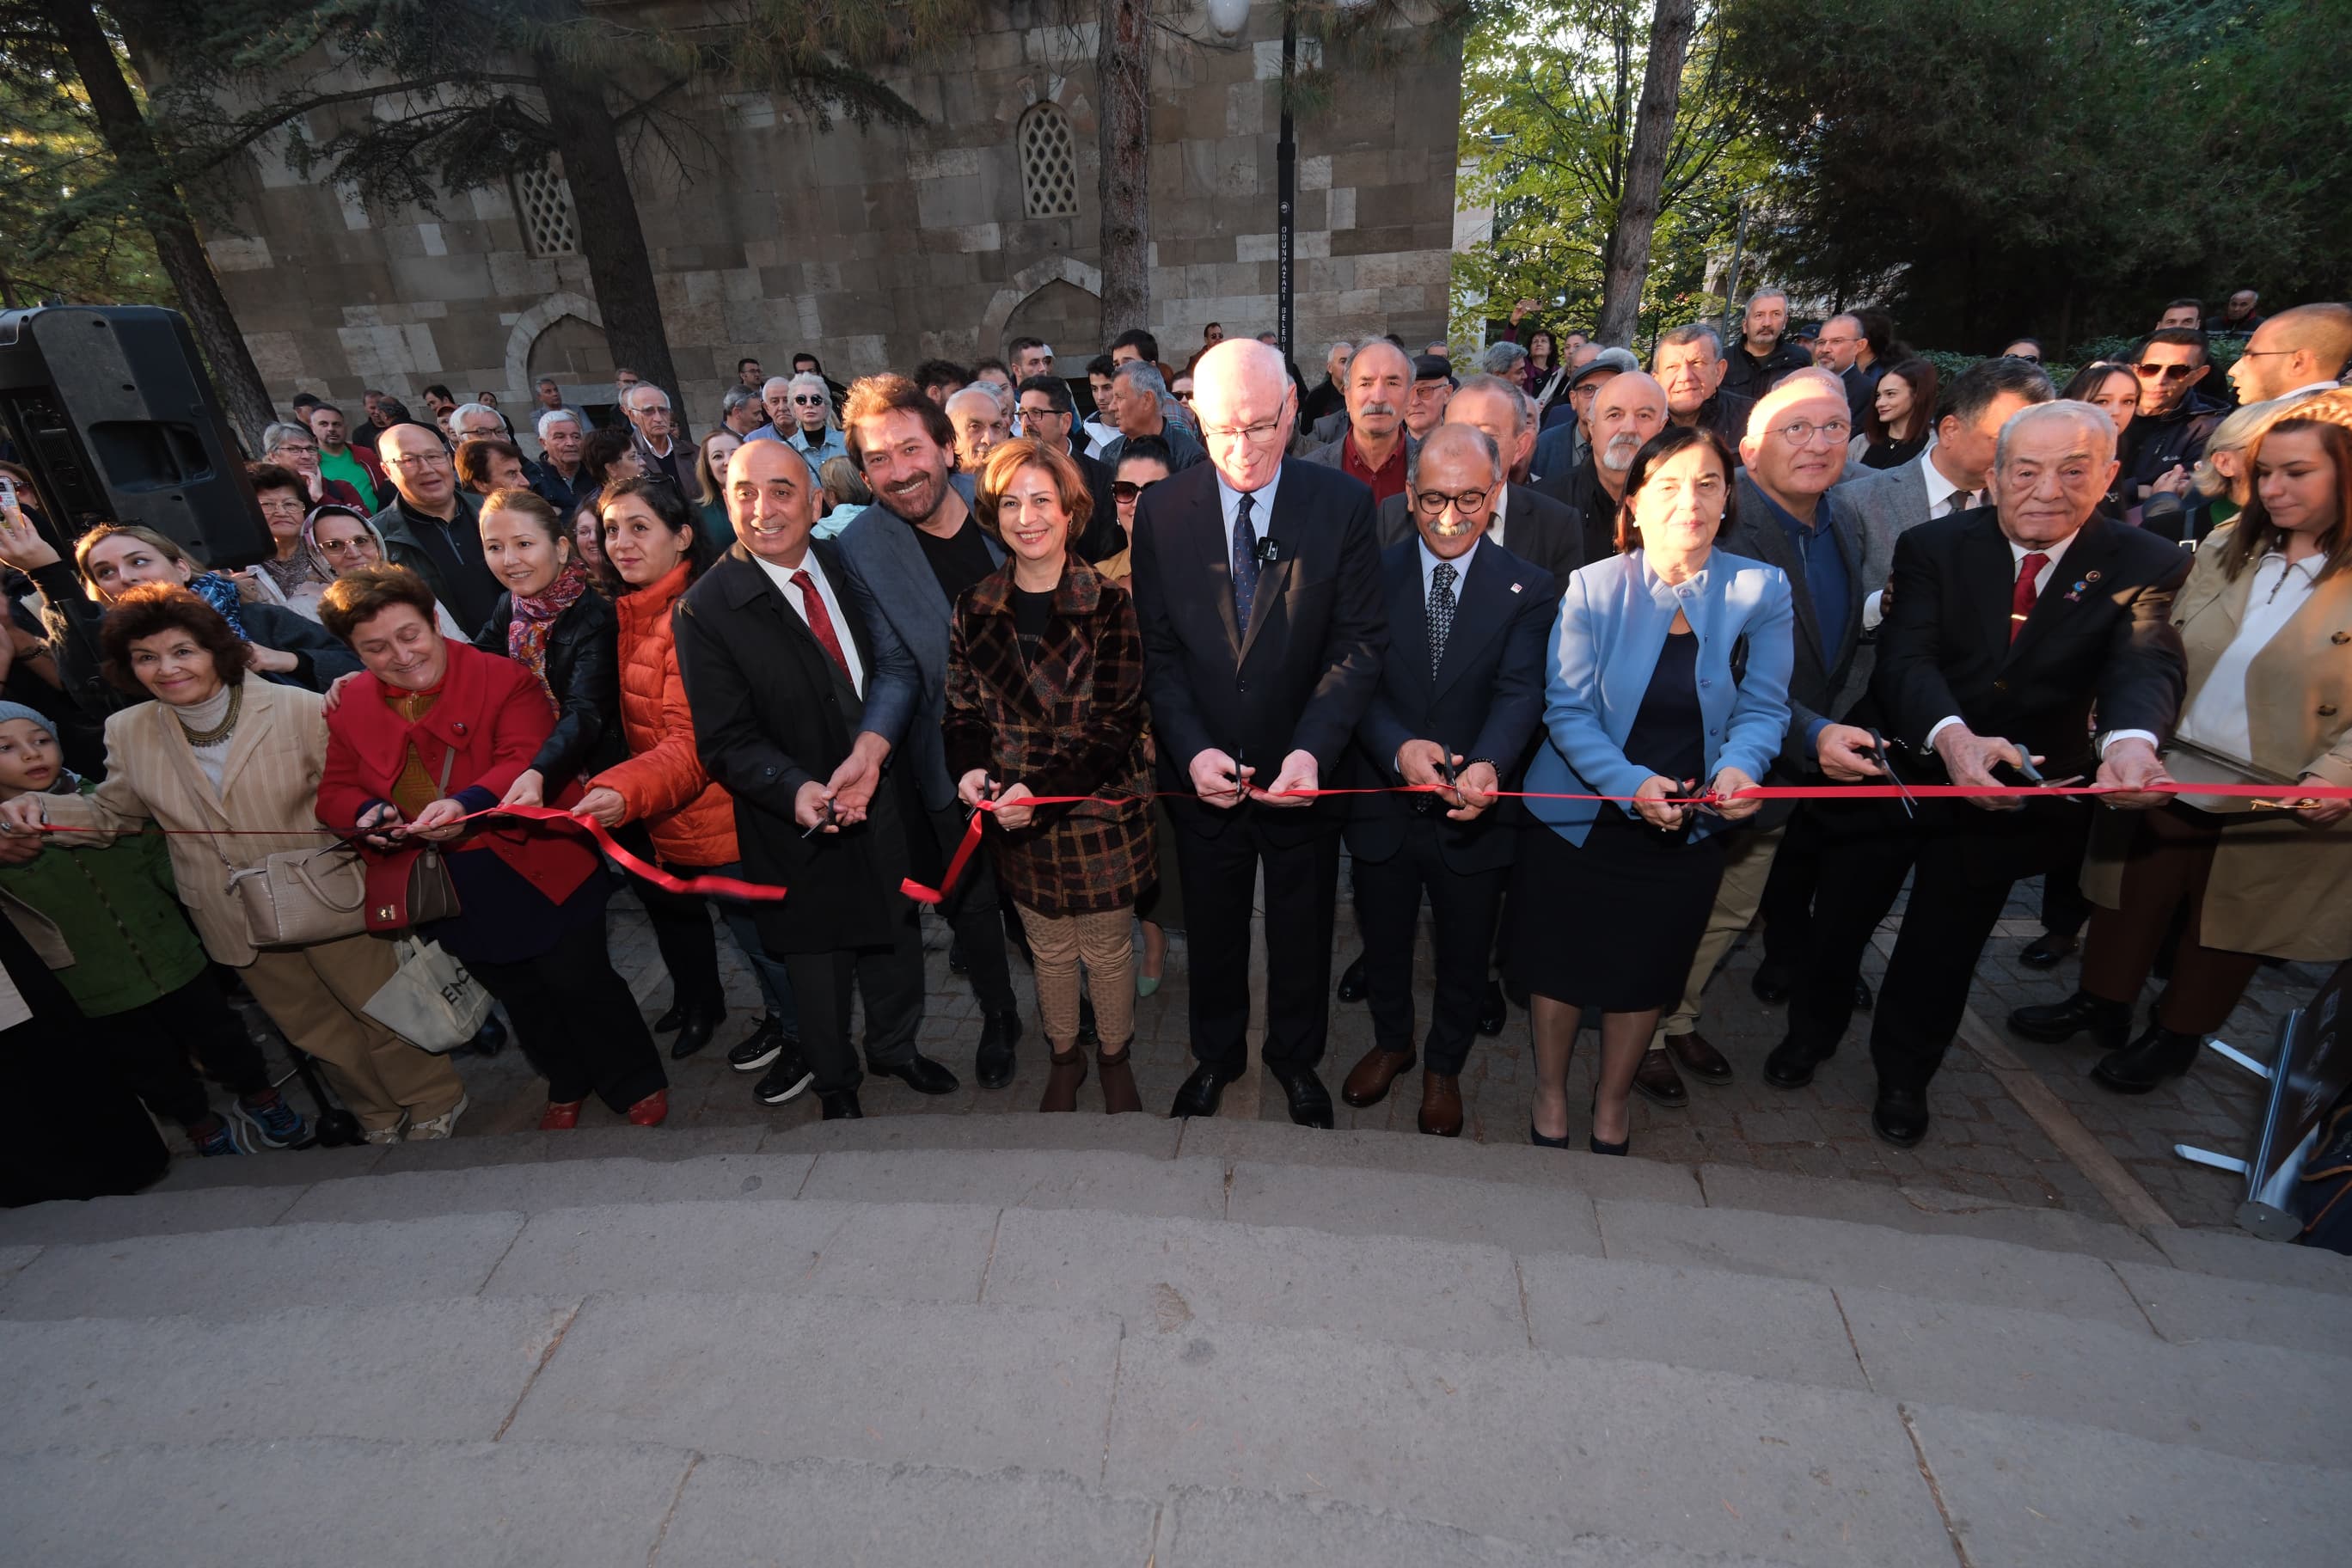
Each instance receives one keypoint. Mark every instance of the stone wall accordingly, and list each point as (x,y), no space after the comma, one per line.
(878,250)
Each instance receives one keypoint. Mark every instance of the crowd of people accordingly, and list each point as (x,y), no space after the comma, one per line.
(1518,637)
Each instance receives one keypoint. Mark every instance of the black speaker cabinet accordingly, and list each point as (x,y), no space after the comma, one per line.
(112,410)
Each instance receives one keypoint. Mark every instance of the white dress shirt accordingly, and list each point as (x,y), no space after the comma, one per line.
(782,576)
(1229,501)
(1940,492)
(2216,719)
(1494,523)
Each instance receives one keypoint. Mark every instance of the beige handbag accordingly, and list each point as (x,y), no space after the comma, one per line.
(299,897)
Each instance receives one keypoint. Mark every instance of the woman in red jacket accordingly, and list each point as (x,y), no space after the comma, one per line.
(655,551)
(441,731)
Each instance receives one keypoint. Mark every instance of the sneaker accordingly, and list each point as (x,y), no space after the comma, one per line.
(226,1138)
(440,1126)
(786,1081)
(274,1124)
(383,1134)
(760,1046)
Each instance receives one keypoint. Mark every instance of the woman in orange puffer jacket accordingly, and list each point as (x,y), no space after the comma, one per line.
(653,546)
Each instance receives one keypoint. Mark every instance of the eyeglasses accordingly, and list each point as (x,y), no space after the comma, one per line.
(1032,411)
(1797,432)
(2166,372)
(1262,431)
(1127,490)
(1433,503)
(807,399)
(419,460)
(300,449)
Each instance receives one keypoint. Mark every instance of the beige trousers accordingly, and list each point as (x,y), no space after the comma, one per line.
(315,994)
(1747,863)
(1105,943)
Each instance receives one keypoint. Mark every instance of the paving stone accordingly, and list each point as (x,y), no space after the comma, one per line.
(2186,1306)
(408,1369)
(738,1513)
(980,1130)
(2027,1494)
(1280,1143)
(1786,1330)
(234,1273)
(914,1252)
(1368,1202)
(1023,1178)
(812,1377)
(12,1259)
(1702,1461)
(2260,1402)
(579,1144)
(290,1168)
(1925,1211)
(1161,1275)
(147,1214)
(296,1503)
(2246,1258)
(559,1183)
(1833,1253)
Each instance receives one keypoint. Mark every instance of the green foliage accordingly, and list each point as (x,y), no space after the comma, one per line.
(59,236)
(1549,95)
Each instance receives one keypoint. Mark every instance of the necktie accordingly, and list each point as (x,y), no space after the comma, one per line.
(2020,601)
(1441,613)
(1244,563)
(820,620)
(1959,502)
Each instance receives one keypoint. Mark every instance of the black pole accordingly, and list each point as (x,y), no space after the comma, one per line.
(1285,162)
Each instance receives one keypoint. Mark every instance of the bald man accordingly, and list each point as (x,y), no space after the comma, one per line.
(1258,586)
(433,526)
(981,423)
(2295,353)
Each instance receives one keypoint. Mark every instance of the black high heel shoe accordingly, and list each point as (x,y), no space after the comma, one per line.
(1593,1142)
(1540,1141)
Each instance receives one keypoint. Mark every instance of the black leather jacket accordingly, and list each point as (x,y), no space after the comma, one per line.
(583,669)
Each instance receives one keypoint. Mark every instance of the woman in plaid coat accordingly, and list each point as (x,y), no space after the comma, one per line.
(1044,697)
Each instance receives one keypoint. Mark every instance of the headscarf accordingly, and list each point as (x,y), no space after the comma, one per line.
(535,613)
(220,592)
(320,513)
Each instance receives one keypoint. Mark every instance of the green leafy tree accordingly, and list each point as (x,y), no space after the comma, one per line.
(50,148)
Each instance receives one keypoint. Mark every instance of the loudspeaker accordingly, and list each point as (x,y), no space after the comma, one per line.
(112,410)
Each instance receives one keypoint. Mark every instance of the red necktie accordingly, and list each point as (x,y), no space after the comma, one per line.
(2020,601)
(820,619)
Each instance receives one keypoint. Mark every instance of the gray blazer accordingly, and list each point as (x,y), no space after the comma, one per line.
(901,597)
(1886,501)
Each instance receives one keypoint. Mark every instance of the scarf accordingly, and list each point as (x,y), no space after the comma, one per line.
(535,616)
(221,594)
(291,571)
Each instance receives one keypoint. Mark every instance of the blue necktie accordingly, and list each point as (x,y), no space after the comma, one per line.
(1244,564)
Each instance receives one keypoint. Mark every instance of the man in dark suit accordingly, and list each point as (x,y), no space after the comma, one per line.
(1048,413)
(1461,688)
(2008,627)
(1539,530)
(1258,584)
(777,660)
(1689,363)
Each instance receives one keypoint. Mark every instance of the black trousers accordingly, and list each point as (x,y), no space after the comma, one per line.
(681,923)
(1463,906)
(146,1048)
(1787,906)
(576,1020)
(889,978)
(973,912)
(1302,899)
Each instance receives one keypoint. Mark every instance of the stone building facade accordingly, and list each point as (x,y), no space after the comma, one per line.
(876,249)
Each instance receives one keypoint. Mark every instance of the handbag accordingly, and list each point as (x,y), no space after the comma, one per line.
(2191,764)
(431,1001)
(412,887)
(299,896)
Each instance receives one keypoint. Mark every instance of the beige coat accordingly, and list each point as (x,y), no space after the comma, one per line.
(272,781)
(2278,887)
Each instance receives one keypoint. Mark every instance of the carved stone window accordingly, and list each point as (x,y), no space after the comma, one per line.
(1049,163)
(543,203)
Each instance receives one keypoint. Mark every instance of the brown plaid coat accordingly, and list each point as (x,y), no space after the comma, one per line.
(1070,724)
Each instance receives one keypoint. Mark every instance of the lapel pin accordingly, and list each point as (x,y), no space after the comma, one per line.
(2090,577)
(1514,588)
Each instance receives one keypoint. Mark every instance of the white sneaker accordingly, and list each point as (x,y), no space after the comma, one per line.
(383,1134)
(441,1126)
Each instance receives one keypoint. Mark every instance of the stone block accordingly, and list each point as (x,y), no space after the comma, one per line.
(1123,1184)
(13,1258)
(1151,1135)
(1785,1329)
(2245,1258)
(239,253)
(1279,1142)
(1315,174)
(2186,1306)
(946,1385)
(147,1213)
(1162,1275)
(1825,1477)
(1923,1211)
(562,1149)
(1343,208)
(946,164)
(1515,1218)
(571,1184)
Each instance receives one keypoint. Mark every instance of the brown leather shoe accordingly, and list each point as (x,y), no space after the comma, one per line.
(1699,1058)
(1118,1091)
(1441,1105)
(1062,1076)
(1656,1081)
(1367,1081)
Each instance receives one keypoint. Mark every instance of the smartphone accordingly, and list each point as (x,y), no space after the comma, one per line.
(7,493)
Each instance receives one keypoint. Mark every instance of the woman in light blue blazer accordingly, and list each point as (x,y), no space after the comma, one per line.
(1668,676)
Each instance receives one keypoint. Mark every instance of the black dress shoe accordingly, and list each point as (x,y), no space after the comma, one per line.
(1492,1013)
(1862,996)
(671,1019)
(1351,982)
(919,1073)
(1656,1081)
(2048,950)
(956,966)
(1310,1102)
(2156,1056)
(761,1047)
(2055,1023)
(1770,983)
(1900,1116)
(841,1105)
(1198,1095)
(1792,1064)
(993,1062)
(694,1031)
(787,1080)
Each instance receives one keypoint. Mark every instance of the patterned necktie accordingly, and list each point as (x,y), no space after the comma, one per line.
(820,619)
(1244,563)
(1440,614)
(1959,502)
(2021,601)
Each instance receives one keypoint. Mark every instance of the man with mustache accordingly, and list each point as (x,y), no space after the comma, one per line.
(907,557)
(1629,409)
(1375,448)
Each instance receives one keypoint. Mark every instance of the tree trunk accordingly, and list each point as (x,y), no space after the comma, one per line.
(1628,263)
(177,246)
(619,268)
(1123,77)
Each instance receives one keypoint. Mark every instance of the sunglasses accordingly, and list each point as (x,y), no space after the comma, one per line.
(2166,372)
(1127,490)
(807,399)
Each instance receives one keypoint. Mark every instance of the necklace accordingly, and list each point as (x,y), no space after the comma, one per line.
(220,732)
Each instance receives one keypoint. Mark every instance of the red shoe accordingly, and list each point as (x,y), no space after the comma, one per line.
(561,1115)
(652,1110)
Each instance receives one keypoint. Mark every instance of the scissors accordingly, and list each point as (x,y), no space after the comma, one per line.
(823,822)
(1885,757)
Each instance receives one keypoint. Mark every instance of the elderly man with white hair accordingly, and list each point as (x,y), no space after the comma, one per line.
(2007,627)
(1257,583)
(1142,402)
(647,409)
(561,432)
